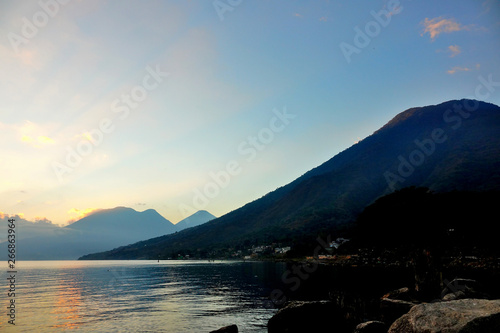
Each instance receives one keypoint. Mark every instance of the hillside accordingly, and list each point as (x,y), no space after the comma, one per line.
(452,223)
(451,146)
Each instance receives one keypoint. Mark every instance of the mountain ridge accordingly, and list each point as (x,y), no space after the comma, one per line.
(101,230)
(336,191)
(200,217)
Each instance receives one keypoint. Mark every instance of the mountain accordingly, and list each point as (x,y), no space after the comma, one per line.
(124,223)
(451,146)
(200,217)
(100,231)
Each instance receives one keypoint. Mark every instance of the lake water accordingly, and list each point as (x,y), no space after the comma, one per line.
(140,296)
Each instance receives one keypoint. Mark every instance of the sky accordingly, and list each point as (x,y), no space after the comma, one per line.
(185,105)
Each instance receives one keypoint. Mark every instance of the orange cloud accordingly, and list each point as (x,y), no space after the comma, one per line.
(14,216)
(458,69)
(461,69)
(81,213)
(436,26)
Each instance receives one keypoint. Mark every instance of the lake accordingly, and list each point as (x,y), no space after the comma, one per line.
(140,296)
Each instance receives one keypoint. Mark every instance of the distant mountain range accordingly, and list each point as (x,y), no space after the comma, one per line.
(124,223)
(200,217)
(451,146)
(103,230)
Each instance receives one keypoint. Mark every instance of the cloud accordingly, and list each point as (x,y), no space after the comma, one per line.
(436,26)
(458,69)
(45,140)
(20,218)
(454,50)
(462,69)
(30,133)
(487,4)
(39,227)
(81,213)
(38,142)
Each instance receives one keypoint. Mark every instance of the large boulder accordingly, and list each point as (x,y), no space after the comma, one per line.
(461,316)
(300,317)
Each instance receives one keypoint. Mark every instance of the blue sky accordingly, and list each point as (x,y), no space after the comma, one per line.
(186,105)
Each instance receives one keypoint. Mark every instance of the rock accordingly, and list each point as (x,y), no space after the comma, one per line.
(454,296)
(299,317)
(354,307)
(395,304)
(459,284)
(400,294)
(371,327)
(462,316)
(227,329)
(392,309)
(461,289)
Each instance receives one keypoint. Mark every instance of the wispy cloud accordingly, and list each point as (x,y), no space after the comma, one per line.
(38,142)
(454,50)
(31,133)
(487,4)
(462,69)
(438,25)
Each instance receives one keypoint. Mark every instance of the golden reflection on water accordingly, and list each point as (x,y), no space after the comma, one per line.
(68,302)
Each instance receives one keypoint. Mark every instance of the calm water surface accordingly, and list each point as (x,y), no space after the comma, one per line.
(141,296)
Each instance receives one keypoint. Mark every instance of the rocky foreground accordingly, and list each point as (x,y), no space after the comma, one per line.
(461,308)
(458,316)
(465,315)
(430,304)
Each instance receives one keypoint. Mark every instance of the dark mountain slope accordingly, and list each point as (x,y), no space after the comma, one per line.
(451,224)
(451,146)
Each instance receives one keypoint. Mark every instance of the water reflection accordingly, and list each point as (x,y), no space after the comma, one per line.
(67,307)
(145,296)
